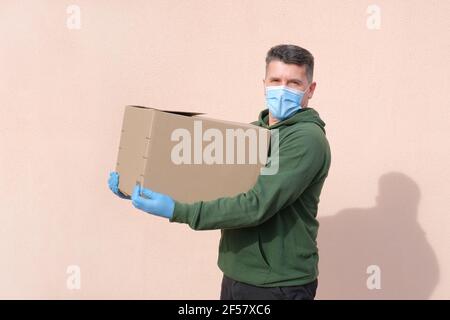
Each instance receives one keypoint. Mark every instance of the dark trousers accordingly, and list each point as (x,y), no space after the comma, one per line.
(235,290)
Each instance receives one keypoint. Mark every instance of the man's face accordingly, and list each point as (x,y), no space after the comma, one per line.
(291,75)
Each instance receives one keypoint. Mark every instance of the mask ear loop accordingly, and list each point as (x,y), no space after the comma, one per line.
(304,94)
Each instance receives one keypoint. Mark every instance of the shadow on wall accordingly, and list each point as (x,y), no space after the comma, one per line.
(386,237)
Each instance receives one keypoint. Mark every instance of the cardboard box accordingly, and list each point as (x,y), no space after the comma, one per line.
(188,156)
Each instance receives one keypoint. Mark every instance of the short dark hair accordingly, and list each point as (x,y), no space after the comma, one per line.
(292,54)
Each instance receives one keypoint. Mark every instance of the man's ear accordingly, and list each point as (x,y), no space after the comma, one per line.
(264,86)
(312,87)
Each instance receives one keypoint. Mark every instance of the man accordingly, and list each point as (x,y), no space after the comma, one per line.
(268,244)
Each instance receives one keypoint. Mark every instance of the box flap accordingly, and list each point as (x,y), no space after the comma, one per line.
(182,113)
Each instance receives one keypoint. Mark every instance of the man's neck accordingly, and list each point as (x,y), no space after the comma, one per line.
(272,120)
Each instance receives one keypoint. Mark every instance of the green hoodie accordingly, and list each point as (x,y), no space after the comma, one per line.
(268,235)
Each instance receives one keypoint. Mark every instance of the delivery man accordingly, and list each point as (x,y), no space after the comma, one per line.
(268,246)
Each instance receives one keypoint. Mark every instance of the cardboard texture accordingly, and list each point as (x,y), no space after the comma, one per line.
(150,138)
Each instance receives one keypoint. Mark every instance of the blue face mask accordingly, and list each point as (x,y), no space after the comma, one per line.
(282,101)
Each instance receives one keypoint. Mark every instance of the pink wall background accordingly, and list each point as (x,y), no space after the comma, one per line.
(384,94)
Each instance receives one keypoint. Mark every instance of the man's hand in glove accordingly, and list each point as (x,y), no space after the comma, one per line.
(153,202)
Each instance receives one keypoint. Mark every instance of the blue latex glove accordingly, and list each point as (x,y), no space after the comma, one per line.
(153,202)
(113,183)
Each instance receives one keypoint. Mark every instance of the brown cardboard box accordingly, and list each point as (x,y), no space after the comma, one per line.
(188,156)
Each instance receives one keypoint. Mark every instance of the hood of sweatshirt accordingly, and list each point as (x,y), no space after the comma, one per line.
(303,115)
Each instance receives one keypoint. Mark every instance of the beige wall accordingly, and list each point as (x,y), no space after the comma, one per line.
(384,94)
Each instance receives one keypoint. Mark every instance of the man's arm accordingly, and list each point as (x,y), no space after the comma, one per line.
(301,156)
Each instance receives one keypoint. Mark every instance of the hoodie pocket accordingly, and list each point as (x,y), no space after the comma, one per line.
(262,253)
